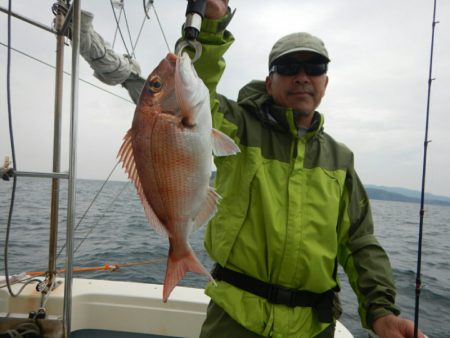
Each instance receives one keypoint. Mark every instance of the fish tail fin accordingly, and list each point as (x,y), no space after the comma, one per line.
(223,145)
(176,268)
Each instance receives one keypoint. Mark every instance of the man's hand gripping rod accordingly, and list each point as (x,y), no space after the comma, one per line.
(194,15)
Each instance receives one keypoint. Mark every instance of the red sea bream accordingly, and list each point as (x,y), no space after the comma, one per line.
(167,155)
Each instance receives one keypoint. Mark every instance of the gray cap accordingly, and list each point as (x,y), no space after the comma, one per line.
(297,42)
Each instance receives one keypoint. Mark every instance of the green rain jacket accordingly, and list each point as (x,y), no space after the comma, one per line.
(292,207)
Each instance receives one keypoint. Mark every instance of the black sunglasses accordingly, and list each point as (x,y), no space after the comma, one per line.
(312,69)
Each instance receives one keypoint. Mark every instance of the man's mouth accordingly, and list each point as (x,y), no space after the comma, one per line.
(300,93)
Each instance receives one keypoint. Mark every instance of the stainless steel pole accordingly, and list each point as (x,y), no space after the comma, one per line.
(53,239)
(72,168)
(41,174)
(32,22)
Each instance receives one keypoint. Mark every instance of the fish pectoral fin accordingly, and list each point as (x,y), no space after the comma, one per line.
(209,208)
(176,268)
(222,144)
(126,156)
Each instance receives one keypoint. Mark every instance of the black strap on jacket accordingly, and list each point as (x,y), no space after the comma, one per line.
(321,302)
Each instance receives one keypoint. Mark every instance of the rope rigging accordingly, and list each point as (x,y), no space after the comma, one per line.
(129,33)
(16,279)
(117,4)
(67,73)
(118,29)
(90,206)
(13,151)
(117,18)
(142,25)
(24,330)
(59,8)
(27,278)
(160,26)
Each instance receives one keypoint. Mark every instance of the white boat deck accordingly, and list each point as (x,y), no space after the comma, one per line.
(111,309)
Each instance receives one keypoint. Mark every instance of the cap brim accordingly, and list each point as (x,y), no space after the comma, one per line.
(302,49)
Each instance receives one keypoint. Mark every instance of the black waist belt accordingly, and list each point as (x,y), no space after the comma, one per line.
(275,294)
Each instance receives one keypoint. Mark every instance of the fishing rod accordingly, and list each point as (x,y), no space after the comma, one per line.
(422,195)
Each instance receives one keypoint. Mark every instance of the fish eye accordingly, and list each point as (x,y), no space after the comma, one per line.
(154,85)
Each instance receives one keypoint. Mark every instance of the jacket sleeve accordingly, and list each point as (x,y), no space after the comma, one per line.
(362,257)
(109,67)
(215,40)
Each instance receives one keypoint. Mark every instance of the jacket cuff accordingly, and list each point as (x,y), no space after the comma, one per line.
(378,312)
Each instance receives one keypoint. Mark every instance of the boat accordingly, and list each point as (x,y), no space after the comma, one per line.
(51,306)
(113,309)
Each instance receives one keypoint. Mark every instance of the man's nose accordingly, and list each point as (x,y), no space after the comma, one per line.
(301,76)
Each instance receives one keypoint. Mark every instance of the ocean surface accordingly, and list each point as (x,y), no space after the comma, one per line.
(115,231)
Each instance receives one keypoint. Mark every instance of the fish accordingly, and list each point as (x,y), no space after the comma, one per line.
(167,154)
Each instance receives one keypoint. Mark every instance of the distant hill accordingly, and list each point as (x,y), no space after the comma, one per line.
(403,195)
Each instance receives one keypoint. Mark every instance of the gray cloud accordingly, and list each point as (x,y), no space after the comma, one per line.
(375,101)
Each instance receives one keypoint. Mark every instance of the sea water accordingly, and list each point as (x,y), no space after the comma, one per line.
(114,230)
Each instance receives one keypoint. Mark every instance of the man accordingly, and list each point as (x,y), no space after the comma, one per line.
(6,172)
(292,204)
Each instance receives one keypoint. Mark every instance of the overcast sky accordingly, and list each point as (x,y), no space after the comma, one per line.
(375,101)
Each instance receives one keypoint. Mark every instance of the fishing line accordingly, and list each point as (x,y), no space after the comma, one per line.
(14,159)
(118,28)
(104,213)
(67,73)
(422,195)
(146,8)
(90,206)
(146,17)
(13,151)
(160,26)
(13,154)
(128,30)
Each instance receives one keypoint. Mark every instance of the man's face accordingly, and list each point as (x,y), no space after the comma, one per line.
(301,92)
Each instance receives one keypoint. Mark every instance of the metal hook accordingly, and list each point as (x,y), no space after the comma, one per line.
(190,43)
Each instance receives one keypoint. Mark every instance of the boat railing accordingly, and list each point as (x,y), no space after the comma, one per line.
(66,15)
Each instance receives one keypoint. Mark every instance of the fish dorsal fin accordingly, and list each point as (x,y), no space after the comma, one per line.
(222,144)
(126,156)
(208,209)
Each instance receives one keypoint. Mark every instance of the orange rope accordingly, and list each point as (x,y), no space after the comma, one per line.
(92,268)
(112,267)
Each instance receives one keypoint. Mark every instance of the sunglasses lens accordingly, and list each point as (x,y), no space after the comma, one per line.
(313,69)
(287,69)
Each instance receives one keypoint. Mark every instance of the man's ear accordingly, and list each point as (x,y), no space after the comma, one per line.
(269,85)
